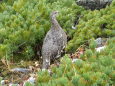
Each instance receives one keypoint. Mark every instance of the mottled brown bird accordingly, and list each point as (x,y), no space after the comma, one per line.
(54,42)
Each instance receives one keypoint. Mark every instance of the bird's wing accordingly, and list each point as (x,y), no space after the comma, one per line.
(48,37)
(50,48)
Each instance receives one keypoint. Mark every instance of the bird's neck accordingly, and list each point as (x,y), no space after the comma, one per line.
(55,23)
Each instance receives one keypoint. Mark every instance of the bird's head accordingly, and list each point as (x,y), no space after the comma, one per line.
(54,14)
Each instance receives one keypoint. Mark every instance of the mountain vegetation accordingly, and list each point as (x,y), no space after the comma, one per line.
(24,24)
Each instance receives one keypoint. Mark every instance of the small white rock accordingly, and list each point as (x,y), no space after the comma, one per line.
(31,80)
(43,69)
(99,49)
(2,82)
(11,84)
(24,70)
(36,64)
(74,60)
(73,27)
(49,71)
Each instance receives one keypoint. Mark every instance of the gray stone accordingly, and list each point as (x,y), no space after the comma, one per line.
(23,70)
(99,41)
(93,4)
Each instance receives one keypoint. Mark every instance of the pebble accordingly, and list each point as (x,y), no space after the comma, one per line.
(3,82)
(74,60)
(99,41)
(73,27)
(11,84)
(24,70)
(99,49)
(31,80)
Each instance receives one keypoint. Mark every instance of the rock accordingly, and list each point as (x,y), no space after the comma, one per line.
(11,84)
(74,27)
(23,70)
(31,80)
(99,49)
(98,41)
(74,60)
(36,64)
(4,82)
(101,41)
(93,4)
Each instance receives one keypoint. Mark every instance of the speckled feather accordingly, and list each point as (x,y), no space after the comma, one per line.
(54,42)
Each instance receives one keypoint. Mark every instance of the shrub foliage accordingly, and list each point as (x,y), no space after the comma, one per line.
(93,24)
(92,69)
(24,23)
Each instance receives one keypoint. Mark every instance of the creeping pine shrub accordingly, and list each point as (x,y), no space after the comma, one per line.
(98,69)
(24,23)
(93,24)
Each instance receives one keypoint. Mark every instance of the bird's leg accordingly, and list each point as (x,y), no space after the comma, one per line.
(46,63)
